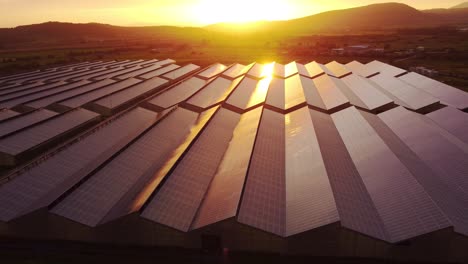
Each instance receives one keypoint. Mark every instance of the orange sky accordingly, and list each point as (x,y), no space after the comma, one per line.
(176,12)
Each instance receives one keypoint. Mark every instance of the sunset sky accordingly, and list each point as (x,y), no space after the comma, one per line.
(176,12)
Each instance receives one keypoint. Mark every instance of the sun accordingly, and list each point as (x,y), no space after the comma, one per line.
(240,11)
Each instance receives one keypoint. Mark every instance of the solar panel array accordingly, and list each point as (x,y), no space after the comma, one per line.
(282,148)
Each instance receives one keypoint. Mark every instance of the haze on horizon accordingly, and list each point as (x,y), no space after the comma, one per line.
(177,12)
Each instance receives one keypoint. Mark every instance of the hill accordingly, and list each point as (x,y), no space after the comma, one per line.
(55,32)
(377,17)
(462,5)
(371,17)
(454,14)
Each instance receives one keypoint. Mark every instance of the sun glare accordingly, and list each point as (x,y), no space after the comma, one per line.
(267,73)
(240,11)
(262,87)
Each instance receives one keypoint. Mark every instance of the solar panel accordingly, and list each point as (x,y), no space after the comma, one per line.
(97,74)
(402,93)
(355,206)
(40,75)
(102,64)
(302,70)
(41,185)
(44,93)
(15,88)
(166,62)
(276,93)
(223,195)
(141,191)
(178,200)
(450,201)
(249,93)
(150,62)
(137,72)
(212,71)
(107,64)
(8,78)
(40,88)
(7,86)
(331,95)
(215,92)
(294,92)
(445,93)
(452,120)
(256,71)
(123,64)
(7,113)
(176,94)
(75,75)
(311,93)
(279,70)
(263,203)
(287,180)
(112,74)
(315,69)
(181,72)
(93,95)
(383,68)
(110,103)
(402,203)
(130,64)
(271,150)
(24,120)
(363,94)
(49,77)
(286,93)
(350,95)
(337,70)
(290,69)
(33,137)
(96,65)
(46,101)
(309,198)
(358,68)
(439,153)
(137,163)
(237,70)
(159,72)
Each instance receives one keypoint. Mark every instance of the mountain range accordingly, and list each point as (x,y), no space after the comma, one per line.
(462,5)
(372,17)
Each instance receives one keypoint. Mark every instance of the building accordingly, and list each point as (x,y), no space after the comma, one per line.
(341,160)
(358,49)
(424,71)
